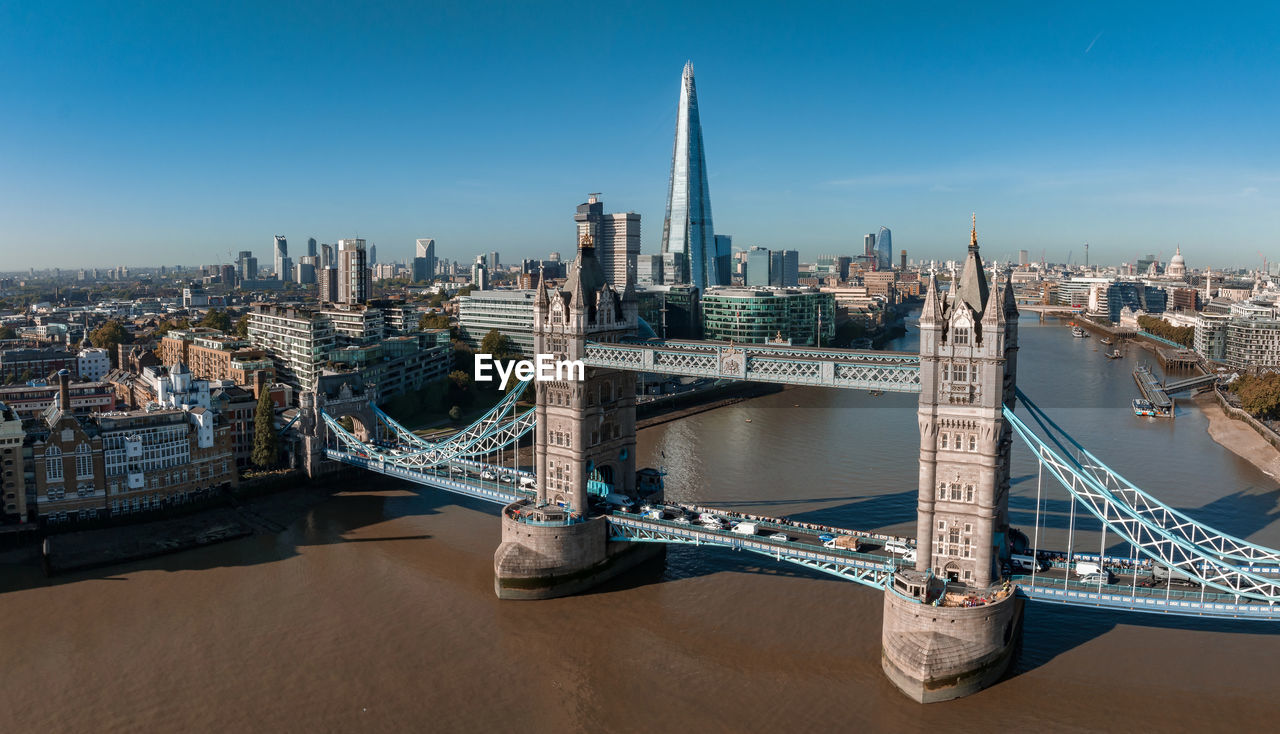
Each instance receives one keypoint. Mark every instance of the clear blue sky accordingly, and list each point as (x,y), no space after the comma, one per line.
(160,133)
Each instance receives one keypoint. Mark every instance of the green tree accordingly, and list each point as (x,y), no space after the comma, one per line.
(7,332)
(466,291)
(242,326)
(1184,335)
(1259,395)
(265,442)
(433,321)
(217,319)
(436,300)
(497,344)
(109,336)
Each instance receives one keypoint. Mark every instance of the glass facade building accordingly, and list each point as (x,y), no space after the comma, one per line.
(884,249)
(757,315)
(687,228)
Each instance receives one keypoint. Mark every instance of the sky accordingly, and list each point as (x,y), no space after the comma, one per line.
(175,133)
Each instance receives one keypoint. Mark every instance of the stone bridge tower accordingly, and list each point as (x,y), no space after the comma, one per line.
(586,431)
(585,440)
(968,365)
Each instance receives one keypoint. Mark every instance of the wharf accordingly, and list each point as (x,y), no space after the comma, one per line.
(1152,391)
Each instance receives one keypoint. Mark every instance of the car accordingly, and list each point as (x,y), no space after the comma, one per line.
(1097,578)
(826,538)
(486,474)
(681,520)
(780,536)
(910,555)
(506,478)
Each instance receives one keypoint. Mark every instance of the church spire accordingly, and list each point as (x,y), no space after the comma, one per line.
(973,234)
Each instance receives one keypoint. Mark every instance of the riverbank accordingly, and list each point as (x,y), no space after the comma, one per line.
(1238,437)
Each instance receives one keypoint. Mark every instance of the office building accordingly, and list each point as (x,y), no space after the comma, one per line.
(649,270)
(869,248)
(29,401)
(724,256)
(1024,258)
(373,255)
(687,227)
(884,251)
(616,238)
(326,256)
(759,315)
(311,247)
(671,311)
(759,267)
(424,260)
(510,312)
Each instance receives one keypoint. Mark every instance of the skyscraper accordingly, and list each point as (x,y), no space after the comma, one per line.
(616,238)
(326,256)
(424,260)
(759,266)
(311,247)
(687,228)
(373,255)
(354,281)
(884,249)
(280,253)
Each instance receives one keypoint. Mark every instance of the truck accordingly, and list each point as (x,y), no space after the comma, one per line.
(745,528)
(845,542)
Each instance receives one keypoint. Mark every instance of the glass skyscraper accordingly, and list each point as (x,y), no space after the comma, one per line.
(687,227)
(884,249)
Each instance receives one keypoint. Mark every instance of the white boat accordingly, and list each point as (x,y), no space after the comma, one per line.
(1079,333)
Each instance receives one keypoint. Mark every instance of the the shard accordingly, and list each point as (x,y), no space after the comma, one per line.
(687,227)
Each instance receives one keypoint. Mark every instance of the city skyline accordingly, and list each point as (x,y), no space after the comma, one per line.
(1060,126)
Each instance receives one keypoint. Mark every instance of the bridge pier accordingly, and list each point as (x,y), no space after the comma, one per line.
(939,653)
(542,556)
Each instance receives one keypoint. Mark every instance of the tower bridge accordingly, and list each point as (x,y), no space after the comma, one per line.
(953,595)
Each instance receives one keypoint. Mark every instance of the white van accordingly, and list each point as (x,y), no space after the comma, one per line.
(896,547)
(1087,568)
(744,528)
(1026,563)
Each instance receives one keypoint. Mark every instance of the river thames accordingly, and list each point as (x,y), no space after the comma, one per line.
(374,610)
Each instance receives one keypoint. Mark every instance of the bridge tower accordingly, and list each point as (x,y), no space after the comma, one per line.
(968,366)
(585,444)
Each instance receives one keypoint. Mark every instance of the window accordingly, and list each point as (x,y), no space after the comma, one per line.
(942,524)
(973,442)
(942,490)
(968,497)
(968,528)
(955,492)
(53,464)
(961,336)
(945,440)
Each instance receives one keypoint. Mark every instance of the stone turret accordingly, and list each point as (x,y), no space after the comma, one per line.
(968,346)
(585,445)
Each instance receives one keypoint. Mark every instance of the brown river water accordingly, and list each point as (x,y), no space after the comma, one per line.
(374,610)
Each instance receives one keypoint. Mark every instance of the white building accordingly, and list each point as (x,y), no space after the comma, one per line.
(93,364)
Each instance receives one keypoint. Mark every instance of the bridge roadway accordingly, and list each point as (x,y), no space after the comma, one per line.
(777,363)
(871,565)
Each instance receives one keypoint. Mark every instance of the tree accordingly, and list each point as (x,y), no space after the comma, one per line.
(498,345)
(436,300)
(265,442)
(455,414)
(217,319)
(466,291)
(1184,335)
(109,336)
(242,326)
(7,332)
(1260,395)
(433,321)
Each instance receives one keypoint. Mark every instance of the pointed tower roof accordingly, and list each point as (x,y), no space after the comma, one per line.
(972,287)
(932,311)
(586,275)
(540,299)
